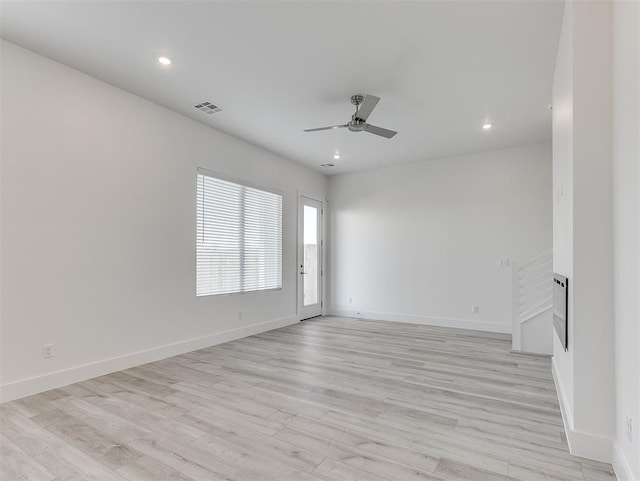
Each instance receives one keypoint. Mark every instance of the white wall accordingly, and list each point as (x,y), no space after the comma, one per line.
(98,228)
(562,97)
(421,242)
(583,225)
(626,205)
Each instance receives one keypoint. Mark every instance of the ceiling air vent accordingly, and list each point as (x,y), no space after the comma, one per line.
(327,165)
(207,107)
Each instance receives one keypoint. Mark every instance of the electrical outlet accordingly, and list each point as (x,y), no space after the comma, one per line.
(475,309)
(47,351)
(350,300)
(503,262)
(239,315)
(629,428)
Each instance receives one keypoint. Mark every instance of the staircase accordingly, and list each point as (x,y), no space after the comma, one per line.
(533,304)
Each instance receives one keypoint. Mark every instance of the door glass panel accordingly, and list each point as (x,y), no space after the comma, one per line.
(310,262)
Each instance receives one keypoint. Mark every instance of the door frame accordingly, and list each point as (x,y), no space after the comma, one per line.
(300,310)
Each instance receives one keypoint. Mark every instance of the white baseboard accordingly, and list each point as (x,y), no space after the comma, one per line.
(423,320)
(586,445)
(565,408)
(591,446)
(621,465)
(53,380)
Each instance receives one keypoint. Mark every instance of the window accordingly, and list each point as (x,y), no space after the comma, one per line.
(239,237)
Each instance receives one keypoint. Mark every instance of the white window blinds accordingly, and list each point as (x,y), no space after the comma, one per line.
(239,238)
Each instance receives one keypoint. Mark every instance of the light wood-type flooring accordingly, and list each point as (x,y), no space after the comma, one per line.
(332,399)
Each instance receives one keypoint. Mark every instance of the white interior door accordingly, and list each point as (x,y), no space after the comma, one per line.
(309,258)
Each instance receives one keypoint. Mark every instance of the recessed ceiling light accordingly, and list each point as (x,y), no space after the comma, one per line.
(336,156)
(487,126)
(164,60)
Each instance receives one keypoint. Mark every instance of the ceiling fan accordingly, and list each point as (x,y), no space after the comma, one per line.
(358,123)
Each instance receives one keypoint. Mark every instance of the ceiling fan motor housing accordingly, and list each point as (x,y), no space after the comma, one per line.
(356,125)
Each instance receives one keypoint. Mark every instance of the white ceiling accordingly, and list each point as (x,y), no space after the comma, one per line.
(442,68)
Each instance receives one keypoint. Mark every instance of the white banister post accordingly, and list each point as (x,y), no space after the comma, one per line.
(515,311)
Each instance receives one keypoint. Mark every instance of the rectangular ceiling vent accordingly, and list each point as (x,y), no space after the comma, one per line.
(207,107)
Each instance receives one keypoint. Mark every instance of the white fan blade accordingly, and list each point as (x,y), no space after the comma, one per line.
(326,128)
(368,104)
(372,129)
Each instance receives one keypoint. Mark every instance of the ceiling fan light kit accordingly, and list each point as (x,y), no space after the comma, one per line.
(358,123)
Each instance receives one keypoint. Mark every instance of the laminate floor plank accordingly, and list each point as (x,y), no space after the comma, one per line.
(18,465)
(333,399)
